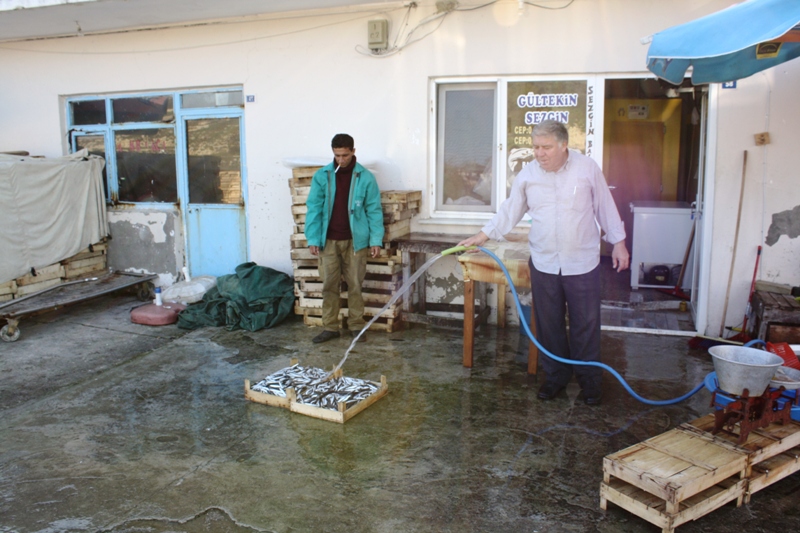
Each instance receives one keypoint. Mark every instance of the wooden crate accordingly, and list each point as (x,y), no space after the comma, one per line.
(342,415)
(653,509)
(304,172)
(772,452)
(675,477)
(776,317)
(395,230)
(669,480)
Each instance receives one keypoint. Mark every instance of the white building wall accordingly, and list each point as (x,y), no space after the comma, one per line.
(765,102)
(310,83)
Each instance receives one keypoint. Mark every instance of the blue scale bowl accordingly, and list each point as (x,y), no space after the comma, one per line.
(711,384)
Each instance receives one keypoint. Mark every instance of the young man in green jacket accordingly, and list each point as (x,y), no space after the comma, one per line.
(344,223)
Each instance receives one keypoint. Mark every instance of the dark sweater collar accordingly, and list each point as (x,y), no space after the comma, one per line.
(348,168)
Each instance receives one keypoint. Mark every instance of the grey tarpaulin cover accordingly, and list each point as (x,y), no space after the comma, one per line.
(253,298)
(50,209)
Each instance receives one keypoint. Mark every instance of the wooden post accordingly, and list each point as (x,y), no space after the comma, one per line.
(501,305)
(469,321)
(406,255)
(533,351)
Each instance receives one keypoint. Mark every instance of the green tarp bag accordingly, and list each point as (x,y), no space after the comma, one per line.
(253,298)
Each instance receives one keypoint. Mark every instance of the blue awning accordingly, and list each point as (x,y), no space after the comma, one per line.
(728,45)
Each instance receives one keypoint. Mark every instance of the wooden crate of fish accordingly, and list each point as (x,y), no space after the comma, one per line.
(308,391)
(675,477)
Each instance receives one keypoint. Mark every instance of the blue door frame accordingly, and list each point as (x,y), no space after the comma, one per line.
(215,233)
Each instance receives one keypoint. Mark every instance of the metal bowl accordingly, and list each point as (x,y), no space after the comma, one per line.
(786,377)
(739,368)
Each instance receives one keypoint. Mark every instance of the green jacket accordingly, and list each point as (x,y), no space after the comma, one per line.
(366,215)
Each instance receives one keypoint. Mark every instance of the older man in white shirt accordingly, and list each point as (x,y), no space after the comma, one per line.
(566,196)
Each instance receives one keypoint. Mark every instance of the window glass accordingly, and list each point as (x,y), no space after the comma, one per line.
(88,112)
(144,109)
(96,144)
(531,102)
(466,147)
(214,161)
(217,99)
(146,165)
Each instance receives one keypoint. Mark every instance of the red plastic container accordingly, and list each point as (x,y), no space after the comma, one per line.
(157,315)
(785,352)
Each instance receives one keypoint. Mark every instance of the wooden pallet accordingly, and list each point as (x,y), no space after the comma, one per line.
(315,286)
(85,263)
(342,415)
(304,269)
(687,472)
(315,309)
(386,257)
(386,325)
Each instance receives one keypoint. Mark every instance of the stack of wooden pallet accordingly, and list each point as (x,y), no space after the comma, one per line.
(86,263)
(398,208)
(687,472)
(384,273)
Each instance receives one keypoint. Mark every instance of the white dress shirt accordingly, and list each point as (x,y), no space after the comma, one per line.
(566,206)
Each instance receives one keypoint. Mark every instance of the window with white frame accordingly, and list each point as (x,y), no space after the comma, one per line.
(137,137)
(483,135)
(466,137)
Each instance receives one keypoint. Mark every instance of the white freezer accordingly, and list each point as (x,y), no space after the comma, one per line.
(661,232)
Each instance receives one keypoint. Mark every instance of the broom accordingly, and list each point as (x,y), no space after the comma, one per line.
(742,335)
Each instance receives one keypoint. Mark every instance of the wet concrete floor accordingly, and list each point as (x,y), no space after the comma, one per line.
(115,427)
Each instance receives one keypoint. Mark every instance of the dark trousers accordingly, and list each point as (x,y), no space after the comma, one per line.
(554,297)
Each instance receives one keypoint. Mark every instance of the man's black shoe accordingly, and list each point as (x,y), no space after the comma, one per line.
(548,391)
(591,397)
(325,336)
(362,338)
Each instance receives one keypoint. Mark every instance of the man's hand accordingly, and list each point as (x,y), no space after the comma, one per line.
(314,250)
(374,251)
(476,240)
(620,259)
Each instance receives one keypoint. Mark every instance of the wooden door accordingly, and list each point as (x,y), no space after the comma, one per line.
(635,160)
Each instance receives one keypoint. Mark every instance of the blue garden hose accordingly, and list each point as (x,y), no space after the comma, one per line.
(572,361)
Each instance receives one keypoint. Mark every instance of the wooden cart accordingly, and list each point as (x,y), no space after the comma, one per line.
(69,293)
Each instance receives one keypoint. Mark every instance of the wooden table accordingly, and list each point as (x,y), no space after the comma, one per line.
(414,249)
(480,267)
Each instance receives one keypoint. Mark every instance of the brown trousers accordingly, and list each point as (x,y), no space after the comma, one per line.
(337,261)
